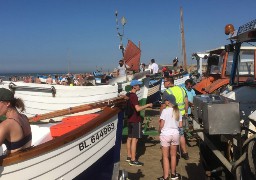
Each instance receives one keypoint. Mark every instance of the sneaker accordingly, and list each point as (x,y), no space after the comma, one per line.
(185,156)
(175,176)
(135,163)
(162,178)
(128,159)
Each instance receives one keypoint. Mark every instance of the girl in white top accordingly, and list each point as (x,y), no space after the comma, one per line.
(169,123)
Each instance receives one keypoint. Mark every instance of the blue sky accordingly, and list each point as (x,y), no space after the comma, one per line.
(47,35)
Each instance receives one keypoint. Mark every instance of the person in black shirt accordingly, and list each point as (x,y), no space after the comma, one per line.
(105,79)
(175,64)
(181,69)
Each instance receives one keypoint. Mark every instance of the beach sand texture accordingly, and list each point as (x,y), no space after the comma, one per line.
(149,152)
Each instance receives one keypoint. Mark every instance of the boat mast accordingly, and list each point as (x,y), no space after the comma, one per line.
(183,40)
(123,22)
(69,60)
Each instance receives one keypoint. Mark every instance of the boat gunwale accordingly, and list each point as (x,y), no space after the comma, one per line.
(60,141)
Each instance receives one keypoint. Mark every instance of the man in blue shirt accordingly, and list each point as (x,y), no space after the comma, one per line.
(190,93)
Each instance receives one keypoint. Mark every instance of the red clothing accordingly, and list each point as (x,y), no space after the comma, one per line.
(136,115)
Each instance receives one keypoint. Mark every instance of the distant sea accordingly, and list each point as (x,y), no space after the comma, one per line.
(6,76)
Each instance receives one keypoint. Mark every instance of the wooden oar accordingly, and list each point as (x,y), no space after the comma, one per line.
(110,102)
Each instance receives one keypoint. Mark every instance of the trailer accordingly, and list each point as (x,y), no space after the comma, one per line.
(226,123)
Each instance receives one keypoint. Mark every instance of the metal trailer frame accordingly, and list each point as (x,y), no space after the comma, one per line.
(247,149)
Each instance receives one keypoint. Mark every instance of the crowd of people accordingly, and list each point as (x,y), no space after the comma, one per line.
(153,67)
(67,79)
(175,112)
(123,68)
(88,78)
(175,70)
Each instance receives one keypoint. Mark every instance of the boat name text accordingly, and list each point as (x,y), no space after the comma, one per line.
(96,137)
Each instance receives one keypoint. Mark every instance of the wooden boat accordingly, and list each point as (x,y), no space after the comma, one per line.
(87,147)
(44,98)
(52,149)
(43,133)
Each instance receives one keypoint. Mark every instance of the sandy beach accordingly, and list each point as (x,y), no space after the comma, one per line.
(149,152)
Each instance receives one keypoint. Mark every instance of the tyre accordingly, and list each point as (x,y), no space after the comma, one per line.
(249,166)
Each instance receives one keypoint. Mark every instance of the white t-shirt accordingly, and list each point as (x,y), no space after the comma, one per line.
(154,68)
(122,70)
(170,124)
(150,66)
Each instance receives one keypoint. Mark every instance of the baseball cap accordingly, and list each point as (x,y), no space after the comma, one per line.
(6,95)
(171,98)
(135,82)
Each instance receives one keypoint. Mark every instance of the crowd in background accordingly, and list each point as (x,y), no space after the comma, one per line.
(87,79)
(68,79)
(165,70)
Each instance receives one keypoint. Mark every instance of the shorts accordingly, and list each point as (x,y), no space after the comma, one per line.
(134,130)
(166,141)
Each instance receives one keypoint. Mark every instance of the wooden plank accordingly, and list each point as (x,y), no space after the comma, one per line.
(114,101)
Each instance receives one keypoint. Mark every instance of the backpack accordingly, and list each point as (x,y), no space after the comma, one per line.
(129,109)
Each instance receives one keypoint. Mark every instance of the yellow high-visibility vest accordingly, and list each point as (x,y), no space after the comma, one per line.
(179,94)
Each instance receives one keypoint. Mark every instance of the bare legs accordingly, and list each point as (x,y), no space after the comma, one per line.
(166,164)
(183,144)
(131,147)
(166,151)
(173,152)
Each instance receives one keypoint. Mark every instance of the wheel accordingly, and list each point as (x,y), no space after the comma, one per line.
(124,175)
(248,169)
(210,162)
(252,157)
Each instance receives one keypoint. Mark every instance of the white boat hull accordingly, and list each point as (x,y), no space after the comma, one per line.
(68,161)
(38,101)
(66,96)
(77,156)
